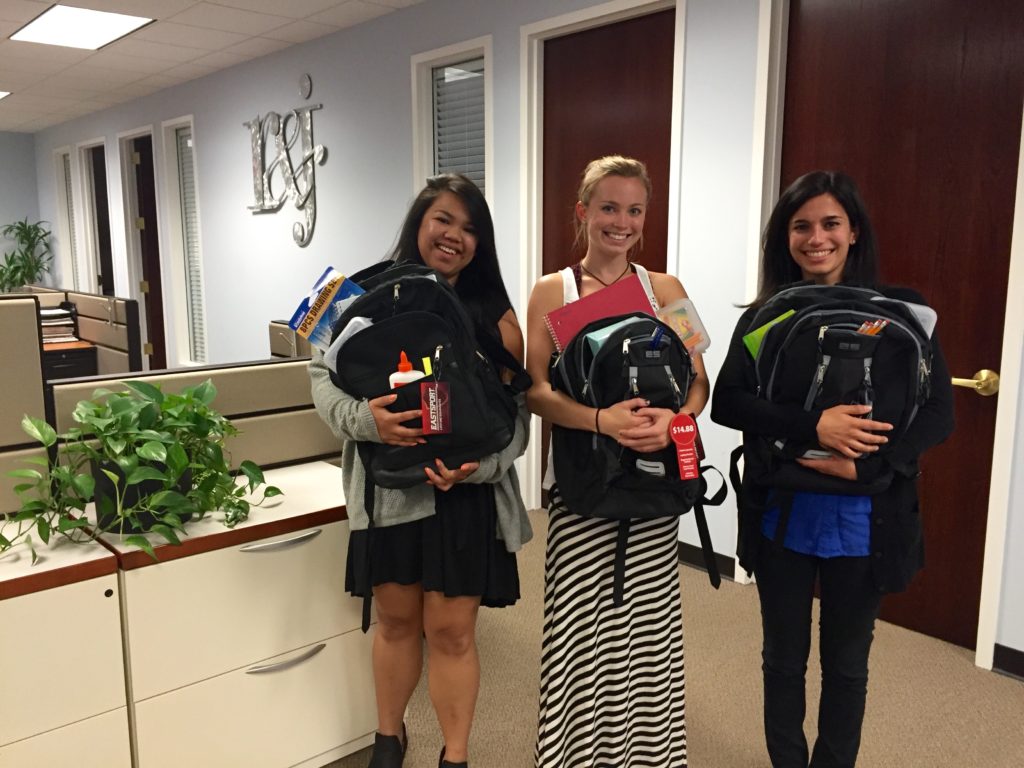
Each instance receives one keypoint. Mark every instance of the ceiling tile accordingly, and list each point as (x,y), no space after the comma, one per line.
(191,70)
(229,19)
(119,61)
(295,9)
(172,33)
(21,11)
(350,13)
(257,46)
(222,59)
(37,102)
(150,9)
(301,31)
(14,51)
(396,3)
(153,50)
(91,76)
(11,80)
(56,86)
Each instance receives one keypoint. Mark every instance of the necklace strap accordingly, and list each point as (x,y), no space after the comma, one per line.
(602,282)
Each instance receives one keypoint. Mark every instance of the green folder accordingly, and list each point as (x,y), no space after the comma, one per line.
(753,339)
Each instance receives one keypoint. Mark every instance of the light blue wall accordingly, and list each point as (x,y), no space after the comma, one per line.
(18,196)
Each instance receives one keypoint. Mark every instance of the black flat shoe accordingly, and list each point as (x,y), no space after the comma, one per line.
(442,763)
(389,751)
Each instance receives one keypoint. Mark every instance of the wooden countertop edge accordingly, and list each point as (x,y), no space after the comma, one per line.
(229,537)
(57,577)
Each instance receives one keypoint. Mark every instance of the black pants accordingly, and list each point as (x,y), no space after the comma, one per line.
(849,607)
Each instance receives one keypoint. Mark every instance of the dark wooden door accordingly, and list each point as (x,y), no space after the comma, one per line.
(607,90)
(145,185)
(101,211)
(920,101)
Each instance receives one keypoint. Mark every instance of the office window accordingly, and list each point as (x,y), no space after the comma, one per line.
(67,211)
(190,245)
(459,119)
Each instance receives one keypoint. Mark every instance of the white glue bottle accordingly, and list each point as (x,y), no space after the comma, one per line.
(404,374)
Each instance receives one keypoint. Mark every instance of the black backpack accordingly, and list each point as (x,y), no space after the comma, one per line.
(413,309)
(640,356)
(816,358)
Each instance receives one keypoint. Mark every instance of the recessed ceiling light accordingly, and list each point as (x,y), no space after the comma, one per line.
(78,27)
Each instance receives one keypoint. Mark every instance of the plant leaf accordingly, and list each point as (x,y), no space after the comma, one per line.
(144,473)
(31,474)
(142,543)
(85,485)
(272,490)
(146,391)
(43,528)
(153,451)
(39,430)
(253,472)
(167,532)
(205,392)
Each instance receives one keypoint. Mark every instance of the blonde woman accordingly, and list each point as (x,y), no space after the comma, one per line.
(612,683)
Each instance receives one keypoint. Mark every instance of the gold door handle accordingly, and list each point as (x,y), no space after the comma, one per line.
(985,382)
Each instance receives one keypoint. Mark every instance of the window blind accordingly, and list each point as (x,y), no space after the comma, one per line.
(190,243)
(70,213)
(459,119)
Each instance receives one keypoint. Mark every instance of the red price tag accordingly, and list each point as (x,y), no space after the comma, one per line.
(683,431)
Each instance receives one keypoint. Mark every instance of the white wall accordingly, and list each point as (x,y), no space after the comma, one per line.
(1010,631)
(18,196)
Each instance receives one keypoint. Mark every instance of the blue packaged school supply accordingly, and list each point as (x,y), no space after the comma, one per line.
(317,313)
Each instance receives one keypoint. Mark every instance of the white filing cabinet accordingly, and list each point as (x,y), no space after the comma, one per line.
(242,647)
(62,699)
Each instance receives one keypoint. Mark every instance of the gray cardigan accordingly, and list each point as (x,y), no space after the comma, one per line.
(350,420)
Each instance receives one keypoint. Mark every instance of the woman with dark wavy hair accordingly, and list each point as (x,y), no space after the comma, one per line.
(854,547)
(442,549)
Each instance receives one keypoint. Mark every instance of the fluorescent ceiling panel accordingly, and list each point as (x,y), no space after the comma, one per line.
(4,93)
(78,27)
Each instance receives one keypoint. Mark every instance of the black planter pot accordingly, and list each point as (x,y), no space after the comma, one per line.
(105,489)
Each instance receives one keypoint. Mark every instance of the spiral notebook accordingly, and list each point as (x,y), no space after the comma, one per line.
(617,299)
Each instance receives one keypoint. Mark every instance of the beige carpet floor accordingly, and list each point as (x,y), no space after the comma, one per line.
(928,705)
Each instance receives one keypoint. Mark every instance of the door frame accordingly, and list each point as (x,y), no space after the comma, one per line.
(992,573)
(531,158)
(1009,364)
(132,242)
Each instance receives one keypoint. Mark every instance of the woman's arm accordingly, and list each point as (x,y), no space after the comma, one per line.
(350,418)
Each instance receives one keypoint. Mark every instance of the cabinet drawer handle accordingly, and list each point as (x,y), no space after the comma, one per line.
(269,546)
(278,666)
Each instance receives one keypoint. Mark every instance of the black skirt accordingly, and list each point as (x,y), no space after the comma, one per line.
(456,551)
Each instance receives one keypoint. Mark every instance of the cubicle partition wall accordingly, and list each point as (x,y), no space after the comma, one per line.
(21,382)
(269,402)
(112,325)
(284,342)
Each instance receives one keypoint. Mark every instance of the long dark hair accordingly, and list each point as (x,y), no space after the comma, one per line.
(777,265)
(479,286)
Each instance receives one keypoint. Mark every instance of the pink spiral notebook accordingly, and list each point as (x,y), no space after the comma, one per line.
(617,299)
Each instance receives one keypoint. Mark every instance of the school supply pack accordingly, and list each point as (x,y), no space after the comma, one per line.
(317,313)
(608,361)
(820,346)
(408,311)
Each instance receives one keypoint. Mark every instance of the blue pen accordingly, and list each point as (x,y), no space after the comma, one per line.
(657,337)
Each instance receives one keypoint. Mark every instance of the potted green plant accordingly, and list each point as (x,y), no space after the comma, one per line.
(30,260)
(150,461)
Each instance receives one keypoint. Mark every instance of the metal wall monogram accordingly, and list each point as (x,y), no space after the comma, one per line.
(287,177)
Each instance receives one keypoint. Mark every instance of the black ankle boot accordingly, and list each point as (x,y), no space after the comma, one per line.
(389,751)
(442,763)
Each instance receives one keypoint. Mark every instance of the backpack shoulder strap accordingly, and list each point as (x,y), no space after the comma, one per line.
(569,292)
(645,281)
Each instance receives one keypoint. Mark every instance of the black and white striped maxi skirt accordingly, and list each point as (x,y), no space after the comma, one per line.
(612,690)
